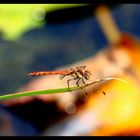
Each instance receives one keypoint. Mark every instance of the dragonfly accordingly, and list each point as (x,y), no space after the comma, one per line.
(78,74)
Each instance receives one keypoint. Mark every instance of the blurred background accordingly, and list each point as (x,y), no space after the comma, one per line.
(40,37)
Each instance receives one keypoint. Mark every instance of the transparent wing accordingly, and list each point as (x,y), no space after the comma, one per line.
(62,76)
(82,67)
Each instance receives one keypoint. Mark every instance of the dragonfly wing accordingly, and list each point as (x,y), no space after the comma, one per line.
(62,76)
(80,67)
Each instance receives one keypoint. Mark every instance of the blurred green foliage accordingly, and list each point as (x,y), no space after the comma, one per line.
(16,19)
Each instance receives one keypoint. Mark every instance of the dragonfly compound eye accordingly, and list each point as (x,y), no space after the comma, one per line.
(87,74)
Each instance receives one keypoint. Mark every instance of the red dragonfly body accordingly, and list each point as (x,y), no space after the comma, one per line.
(48,73)
(78,74)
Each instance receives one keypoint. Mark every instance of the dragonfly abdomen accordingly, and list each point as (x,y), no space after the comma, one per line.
(47,73)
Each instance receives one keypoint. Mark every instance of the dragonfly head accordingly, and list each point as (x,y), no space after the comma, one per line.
(87,74)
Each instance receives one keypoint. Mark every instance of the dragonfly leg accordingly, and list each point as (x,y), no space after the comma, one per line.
(68,81)
(77,83)
(83,81)
(84,84)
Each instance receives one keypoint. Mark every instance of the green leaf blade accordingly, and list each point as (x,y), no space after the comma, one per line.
(33,93)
